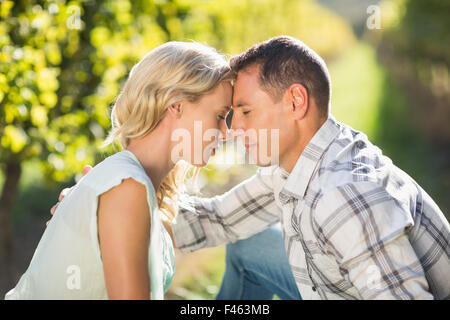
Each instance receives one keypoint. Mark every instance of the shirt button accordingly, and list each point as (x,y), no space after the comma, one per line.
(314,289)
(284,198)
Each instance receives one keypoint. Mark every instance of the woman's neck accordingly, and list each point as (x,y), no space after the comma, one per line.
(153,152)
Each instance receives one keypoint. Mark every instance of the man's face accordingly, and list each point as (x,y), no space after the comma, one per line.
(265,124)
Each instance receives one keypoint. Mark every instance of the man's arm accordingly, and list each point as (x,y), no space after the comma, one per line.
(245,210)
(366,229)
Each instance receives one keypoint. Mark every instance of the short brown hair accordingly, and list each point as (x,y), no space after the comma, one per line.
(283,61)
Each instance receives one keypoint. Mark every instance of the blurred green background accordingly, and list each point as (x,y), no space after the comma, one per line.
(62,63)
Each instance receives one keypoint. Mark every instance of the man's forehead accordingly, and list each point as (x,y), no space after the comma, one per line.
(237,96)
(249,73)
(246,83)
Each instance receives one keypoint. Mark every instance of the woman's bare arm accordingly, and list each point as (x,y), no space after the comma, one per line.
(124,235)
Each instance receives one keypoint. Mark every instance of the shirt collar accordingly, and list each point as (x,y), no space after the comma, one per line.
(299,179)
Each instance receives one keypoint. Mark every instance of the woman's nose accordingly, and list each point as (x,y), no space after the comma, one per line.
(223,131)
(225,127)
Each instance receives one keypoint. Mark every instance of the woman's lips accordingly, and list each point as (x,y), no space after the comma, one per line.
(215,146)
(249,146)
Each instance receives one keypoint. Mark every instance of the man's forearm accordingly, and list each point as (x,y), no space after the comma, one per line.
(241,212)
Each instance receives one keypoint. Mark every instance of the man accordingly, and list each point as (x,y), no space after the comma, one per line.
(353,225)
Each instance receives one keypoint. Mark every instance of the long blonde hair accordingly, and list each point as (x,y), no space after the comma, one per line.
(170,73)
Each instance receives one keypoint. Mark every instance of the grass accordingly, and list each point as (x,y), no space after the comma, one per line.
(198,274)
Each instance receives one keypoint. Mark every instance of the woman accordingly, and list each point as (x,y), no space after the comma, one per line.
(107,239)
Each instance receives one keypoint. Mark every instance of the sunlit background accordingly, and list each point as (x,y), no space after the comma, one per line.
(62,63)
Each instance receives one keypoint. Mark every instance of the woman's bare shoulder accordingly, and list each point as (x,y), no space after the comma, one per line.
(129,195)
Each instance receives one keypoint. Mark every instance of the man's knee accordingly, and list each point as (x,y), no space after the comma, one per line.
(234,252)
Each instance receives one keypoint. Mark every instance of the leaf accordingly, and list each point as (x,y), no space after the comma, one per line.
(5,8)
(14,138)
(39,116)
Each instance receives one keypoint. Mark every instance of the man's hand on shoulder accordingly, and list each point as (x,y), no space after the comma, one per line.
(64,192)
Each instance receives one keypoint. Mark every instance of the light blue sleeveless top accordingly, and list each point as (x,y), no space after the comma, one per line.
(67,262)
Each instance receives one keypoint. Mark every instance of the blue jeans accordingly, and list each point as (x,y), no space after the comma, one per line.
(257,268)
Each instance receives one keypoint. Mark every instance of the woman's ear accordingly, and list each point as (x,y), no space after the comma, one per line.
(176,110)
(298,97)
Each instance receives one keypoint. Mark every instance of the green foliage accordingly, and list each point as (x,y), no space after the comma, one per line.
(415,45)
(357,83)
(420,30)
(235,25)
(60,68)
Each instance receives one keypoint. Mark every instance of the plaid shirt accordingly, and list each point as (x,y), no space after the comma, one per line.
(354,225)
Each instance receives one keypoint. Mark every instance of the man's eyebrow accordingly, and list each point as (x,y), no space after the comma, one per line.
(240,105)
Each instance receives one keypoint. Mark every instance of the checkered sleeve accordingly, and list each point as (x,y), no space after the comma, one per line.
(245,210)
(365,229)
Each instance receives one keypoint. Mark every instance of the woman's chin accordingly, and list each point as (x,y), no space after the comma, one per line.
(199,165)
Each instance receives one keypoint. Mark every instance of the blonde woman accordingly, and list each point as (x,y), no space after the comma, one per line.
(107,239)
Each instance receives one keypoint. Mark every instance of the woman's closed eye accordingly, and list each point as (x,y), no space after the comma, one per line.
(223,115)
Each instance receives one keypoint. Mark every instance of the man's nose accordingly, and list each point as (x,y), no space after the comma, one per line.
(236,127)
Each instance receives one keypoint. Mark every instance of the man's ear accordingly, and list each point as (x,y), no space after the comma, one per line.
(298,98)
(176,110)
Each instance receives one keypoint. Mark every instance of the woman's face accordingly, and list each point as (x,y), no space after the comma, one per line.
(202,125)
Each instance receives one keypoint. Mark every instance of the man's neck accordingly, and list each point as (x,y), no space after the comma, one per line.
(291,157)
